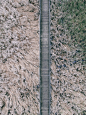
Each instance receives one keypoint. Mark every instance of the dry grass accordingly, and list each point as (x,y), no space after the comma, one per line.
(68,94)
(19,59)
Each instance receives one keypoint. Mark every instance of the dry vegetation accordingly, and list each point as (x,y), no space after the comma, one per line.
(19,57)
(68,64)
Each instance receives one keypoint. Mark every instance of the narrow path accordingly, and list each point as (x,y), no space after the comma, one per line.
(44,58)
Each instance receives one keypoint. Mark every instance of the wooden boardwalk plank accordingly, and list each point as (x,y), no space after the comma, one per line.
(44,58)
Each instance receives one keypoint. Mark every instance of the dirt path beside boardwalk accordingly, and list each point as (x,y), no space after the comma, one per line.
(19,57)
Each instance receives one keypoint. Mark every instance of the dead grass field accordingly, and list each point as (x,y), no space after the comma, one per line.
(68,71)
(19,57)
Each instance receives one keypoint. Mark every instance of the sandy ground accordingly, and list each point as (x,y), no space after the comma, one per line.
(19,57)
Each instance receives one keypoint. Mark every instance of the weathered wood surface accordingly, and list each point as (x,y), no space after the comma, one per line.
(44,58)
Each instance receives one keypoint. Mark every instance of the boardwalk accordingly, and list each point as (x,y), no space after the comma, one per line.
(44,58)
